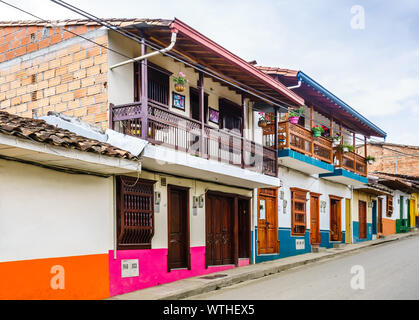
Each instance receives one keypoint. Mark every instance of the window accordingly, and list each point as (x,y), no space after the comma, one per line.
(135,213)
(158,83)
(231,116)
(389,208)
(298,212)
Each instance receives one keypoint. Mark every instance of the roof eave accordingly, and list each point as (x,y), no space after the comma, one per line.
(310,82)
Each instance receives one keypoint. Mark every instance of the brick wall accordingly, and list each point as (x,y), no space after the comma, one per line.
(49,69)
(390,161)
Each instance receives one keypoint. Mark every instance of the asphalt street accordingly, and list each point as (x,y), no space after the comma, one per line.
(388,271)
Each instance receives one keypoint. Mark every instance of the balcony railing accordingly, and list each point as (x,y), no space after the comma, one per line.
(297,138)
(351,161)
(181,133)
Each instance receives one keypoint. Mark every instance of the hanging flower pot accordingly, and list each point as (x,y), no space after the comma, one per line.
(180,82)
(262,123)
(294,115)
(370,159)
(180,87)
(294,120)
(263,119)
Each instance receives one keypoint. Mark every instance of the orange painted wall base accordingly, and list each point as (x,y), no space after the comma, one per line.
(389,227)
(82,277)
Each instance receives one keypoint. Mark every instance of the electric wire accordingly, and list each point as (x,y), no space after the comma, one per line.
(136,38)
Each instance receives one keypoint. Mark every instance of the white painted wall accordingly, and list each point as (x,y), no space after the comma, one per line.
(294,179)
(45,213)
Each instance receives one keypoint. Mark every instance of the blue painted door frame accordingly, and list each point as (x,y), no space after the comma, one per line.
(374,217)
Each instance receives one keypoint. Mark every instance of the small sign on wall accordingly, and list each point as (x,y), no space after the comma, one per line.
(129,268)
(300,244)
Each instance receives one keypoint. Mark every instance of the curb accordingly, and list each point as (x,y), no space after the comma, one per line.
(200,287)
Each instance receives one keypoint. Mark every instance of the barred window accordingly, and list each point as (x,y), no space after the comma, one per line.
(389,206)
(135,213)
(298,212)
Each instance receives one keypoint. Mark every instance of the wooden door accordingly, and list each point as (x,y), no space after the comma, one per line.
(244,228)
(220,241)
(178,228)
(268,221)
(348,237)
(362,217)
(335,220)
(315,219)
(380,216)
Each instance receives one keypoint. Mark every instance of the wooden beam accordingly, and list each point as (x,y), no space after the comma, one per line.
(201,111)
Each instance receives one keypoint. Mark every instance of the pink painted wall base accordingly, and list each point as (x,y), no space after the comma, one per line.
(153,269)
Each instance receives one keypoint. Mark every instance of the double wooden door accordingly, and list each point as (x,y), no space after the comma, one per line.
(178,228)
(362,219)
(268,221)
(315,219)
(220,222)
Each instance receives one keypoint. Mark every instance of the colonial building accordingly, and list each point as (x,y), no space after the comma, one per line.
(317,204)
(190,210)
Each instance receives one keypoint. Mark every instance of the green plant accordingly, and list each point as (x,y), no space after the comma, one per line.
(296,112)
(369,158)
(317,128)
(264,116)
(181,78)
(343,146)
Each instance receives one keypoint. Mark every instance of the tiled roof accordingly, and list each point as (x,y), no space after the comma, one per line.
(78,22)
(39,131)
(280,71)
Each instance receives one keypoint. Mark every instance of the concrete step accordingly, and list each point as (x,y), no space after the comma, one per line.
(318,249)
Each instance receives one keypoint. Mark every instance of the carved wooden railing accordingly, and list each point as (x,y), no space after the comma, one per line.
(297,138)
(178,132)
(351,161)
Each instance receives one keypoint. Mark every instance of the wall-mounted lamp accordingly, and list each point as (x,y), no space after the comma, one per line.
(157,197)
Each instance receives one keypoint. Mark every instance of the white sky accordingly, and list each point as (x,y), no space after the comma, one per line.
(374,70)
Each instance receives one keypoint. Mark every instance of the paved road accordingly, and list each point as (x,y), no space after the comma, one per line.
(391,272)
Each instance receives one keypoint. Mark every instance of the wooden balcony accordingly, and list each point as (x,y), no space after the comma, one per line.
(351,161)
(297,138)
(181,133)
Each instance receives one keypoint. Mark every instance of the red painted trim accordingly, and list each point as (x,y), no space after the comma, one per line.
(237,61)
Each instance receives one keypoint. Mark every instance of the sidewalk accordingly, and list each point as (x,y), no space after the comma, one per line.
(197,285)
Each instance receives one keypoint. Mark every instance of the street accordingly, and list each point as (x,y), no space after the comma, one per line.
(391,272)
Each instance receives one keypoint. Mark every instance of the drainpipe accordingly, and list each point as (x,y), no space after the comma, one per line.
(255,208)
(297,86)
(114,216)
(148,55)
(351,212)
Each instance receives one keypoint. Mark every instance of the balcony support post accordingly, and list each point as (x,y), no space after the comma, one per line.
(201,112)
(144,93)
(311,128)
(276,119)
(244,128)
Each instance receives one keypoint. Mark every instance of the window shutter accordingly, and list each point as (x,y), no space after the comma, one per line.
(298,212)
(135,212)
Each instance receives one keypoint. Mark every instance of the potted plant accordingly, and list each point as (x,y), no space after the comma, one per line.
(370,159)
(295,114)
(346,147)
(263,119)
(336,140)
(317,131)
(180,82)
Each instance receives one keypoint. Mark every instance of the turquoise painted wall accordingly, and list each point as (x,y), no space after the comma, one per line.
(287,246)
(355,228)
